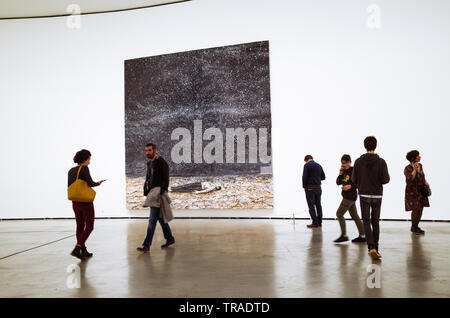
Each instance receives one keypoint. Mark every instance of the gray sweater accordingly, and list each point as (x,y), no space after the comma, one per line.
(162,201)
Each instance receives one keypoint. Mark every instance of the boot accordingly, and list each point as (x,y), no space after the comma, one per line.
(85,253)
(77,252)
(417,230)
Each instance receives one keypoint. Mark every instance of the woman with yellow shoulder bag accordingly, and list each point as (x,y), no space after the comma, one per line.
(82,195)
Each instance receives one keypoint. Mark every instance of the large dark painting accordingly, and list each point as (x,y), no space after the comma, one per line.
(208,112)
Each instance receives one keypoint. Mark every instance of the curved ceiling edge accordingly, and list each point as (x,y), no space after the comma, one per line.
(20,9)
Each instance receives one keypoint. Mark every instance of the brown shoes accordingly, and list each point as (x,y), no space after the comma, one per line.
(374,254)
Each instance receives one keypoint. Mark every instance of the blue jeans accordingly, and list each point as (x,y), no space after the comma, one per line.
(313,196)
(153,219)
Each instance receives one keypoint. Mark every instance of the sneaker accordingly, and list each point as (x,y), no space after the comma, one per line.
(77,252)
(420,230)
(85,253)
(168,244)
(312,226)
(143,249)
(374,254)
(341,238)
(359,239)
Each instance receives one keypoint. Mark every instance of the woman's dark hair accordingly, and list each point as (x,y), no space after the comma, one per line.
(346,158)
(81,156)
(412,155)
(370,143)
(307,157)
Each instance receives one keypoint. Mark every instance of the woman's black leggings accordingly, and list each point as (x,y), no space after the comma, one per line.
(416,215)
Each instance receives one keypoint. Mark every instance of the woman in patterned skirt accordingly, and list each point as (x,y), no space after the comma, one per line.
(415,201)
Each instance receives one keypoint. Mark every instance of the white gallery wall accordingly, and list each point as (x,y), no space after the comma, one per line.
(333,82)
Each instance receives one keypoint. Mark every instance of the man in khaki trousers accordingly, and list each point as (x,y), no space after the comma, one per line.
(348,203)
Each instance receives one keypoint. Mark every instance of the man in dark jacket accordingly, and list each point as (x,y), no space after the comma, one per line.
(348,203)
(157,176)
(369,174)
(312,179)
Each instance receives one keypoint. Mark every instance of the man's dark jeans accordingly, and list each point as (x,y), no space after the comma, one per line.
(313,196)
(370,210)
(154,217)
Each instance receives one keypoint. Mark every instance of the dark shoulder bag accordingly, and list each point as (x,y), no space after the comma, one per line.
(425,191)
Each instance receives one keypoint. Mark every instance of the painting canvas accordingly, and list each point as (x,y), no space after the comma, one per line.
(208,112)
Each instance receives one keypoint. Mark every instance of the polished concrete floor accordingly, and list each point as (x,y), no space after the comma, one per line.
(222,258)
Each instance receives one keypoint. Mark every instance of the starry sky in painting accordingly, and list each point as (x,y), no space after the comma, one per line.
(225,87)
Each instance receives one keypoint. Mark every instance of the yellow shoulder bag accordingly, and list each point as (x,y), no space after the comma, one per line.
(80,191)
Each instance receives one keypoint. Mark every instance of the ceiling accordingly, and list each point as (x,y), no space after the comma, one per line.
(14,9)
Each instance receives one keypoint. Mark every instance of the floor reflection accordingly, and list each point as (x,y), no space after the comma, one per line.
(221,259)
(314,260)
(230,258)
(87,290)
(418,267)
